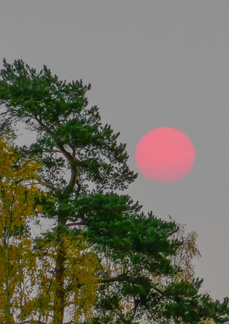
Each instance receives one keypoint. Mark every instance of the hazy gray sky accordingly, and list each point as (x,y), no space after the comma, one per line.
(151,64)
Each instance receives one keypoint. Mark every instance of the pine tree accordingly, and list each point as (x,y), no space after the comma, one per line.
(133,248)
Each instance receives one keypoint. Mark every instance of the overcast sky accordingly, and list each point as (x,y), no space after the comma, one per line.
(151,64)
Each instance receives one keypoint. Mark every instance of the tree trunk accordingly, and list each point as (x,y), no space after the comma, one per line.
(60,293)
(8,299)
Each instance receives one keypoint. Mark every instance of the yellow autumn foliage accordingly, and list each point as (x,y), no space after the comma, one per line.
(27,274)
(80,282)
(18,189)
(208,321)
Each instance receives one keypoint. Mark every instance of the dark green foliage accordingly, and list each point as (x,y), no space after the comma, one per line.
(58,113)
(118,226)
(134,248)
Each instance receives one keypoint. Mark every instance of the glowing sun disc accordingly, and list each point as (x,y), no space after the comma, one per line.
(165,155)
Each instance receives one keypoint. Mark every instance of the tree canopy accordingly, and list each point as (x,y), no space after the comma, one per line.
(18,192)
(84,170)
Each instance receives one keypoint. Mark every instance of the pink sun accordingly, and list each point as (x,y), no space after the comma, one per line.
(165,155)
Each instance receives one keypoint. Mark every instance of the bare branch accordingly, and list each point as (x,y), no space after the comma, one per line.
(75,224)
